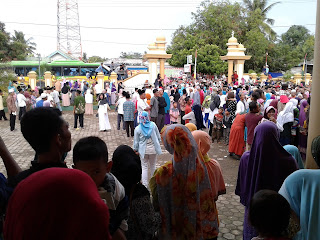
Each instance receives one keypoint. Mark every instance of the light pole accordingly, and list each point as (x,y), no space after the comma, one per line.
(39,69)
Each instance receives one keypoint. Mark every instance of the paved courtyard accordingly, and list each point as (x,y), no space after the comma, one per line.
(230,210)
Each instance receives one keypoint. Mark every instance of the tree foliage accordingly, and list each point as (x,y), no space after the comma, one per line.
(94,59)
(212,26)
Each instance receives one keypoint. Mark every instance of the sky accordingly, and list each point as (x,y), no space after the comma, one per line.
(159,17)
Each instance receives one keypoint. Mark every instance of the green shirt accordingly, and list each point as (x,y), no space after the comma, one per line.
(79,103)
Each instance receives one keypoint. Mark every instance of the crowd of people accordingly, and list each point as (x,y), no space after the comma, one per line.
(263,126)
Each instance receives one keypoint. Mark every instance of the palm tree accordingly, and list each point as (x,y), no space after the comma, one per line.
(253,5)
(29,45)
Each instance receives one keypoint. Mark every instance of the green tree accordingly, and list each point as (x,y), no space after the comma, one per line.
(308,47)
(257,46)
(4,43)
(84,57)
(296,36)
(262,5)
(208,59)
(94,59)
(21,46)
(211,28)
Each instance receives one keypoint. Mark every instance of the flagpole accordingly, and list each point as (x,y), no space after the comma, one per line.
(195,66)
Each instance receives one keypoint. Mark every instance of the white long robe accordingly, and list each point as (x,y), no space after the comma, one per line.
(104,123)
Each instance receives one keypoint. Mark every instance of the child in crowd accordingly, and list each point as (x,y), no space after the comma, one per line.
(227,122)
(269,214)
(90,155)
(217,125)
(174,113)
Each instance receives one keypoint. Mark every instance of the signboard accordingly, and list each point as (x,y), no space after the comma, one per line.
(189,59)
(187,68)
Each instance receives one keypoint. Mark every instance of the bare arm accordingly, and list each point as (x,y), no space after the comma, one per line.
(10,164)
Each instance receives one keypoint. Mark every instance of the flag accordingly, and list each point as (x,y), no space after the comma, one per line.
(304,63)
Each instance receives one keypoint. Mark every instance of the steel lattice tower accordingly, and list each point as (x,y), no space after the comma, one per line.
(69,38)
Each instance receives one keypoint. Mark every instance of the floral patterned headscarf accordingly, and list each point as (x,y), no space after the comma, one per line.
(185,197)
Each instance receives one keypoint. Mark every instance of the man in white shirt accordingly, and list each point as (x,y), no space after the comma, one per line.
(242,105)
(49,97)
(142,104)
(98,89)
(55,95)
(21,99)
(119,104)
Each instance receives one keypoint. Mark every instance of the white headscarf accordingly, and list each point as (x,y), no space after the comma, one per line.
(285,116)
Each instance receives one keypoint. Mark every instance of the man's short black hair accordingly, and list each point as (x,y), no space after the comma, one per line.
(269,213)
(135,89)
(39,126)
(187,99)
(127,95)
(255,95)
(0,91)
(141,92)
(184,91)
(40,91)
(155,90)
(124,93)
(253,105)
(90,149)
(79,92)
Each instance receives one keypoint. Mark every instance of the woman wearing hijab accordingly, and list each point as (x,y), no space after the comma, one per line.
(89,102)
(214,106)
(236,138)
(147,143)
(262,168)
(65,95)
(269,115)
(182,192)
(303,133)
(192,127)
(203,141)
(50,205)
(232,105)
(294,151)
(103,107)
(73,91)
(301,189)
(143,221)
(167,108)
(284,123)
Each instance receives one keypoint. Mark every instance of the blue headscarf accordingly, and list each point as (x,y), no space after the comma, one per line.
(167,99)
(294,151)
(224,92)
(268,96)
(301,189)
(145,124)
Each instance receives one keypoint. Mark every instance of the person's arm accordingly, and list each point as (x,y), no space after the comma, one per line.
(136,140)
(144,214)
(10,164)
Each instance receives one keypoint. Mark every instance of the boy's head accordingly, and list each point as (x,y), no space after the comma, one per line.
(254,107)
(175,104)
(220,110)
(227,111)
(90,155)
(269,213)
(78,92)
(46,131)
